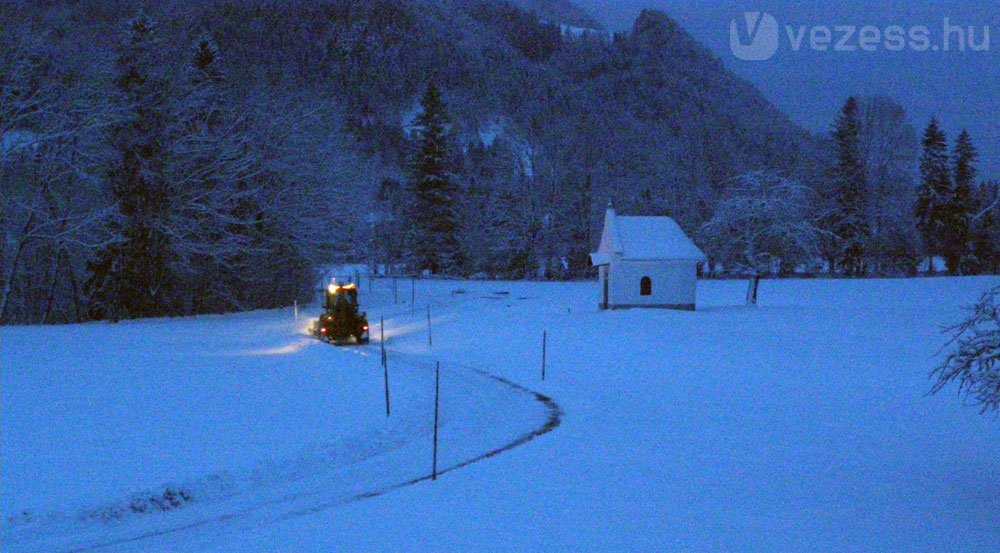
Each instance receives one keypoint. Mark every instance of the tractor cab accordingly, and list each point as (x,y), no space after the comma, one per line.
(341,319)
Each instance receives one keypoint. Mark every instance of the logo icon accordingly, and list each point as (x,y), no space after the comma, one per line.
(755,38)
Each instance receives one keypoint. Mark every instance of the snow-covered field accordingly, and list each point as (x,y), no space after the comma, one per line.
(799,425)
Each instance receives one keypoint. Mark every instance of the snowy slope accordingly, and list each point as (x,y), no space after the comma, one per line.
(800,425)
(242,418)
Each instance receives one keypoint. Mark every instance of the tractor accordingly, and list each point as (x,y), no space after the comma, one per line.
(341,320)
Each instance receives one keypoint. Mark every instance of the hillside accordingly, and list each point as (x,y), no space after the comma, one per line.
(547,127)
(675,106)
(651,119)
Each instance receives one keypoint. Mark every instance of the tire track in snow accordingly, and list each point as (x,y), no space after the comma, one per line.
(553,420)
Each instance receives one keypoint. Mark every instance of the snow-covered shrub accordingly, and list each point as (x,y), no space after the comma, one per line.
(974,362)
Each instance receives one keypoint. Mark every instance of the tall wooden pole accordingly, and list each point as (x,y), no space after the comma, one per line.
(437,394)
(385,364)
(544,339)
(430,342)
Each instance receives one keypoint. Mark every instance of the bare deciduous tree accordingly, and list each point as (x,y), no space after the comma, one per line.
(889,149)
(51,213)
(974,361)
(764,222)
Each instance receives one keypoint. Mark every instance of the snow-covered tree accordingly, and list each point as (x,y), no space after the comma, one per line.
(52,214)
(973,363)
(134,277)
(935,194)
(211,170)
(850,220)
(889,148)
(964,157)
(762,223)
(434,224)
(306,207)
(986,227)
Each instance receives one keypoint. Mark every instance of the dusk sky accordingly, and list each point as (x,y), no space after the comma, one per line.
(961,88)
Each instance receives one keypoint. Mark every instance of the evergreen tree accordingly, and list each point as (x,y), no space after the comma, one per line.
(132,277)
(205,61)
(849,221)
(935,195)
(959,233)
(205,81)
(434,219)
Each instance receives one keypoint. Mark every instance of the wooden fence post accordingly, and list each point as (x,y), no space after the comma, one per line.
(544,340)
(437,393)
(385,364)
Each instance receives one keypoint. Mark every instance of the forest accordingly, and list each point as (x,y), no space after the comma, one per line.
(174,158)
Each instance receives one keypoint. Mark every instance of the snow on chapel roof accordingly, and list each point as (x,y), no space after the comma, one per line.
(655,238)
(645,238)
